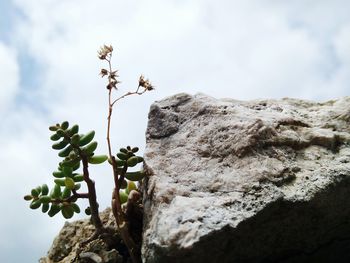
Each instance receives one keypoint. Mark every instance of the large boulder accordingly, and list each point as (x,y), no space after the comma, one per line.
(247,181)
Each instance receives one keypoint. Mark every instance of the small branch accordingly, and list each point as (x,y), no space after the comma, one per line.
(95,217)
(128,94)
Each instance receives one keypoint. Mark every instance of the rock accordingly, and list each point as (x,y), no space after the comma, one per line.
(255,181)
(65,247)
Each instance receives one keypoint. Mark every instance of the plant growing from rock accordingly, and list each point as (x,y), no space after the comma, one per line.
(78,151)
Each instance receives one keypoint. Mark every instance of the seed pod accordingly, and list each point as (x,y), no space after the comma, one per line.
(66,193)
(35,204)
(28,197)
(122,156)
(135,176)
(135,149)
(55,137)
(97,159)
(123,150)
(45,199)
(45,208)
(65,125)
(65,152)
(87,138)
(59,182)
(34,193)
(76,208)
(90,148)
(73,130)
(132,161)
(44,189)
(67,211)
(123,197)
(69,182)
(54,210)
(78,178)
(58,174)
(56,193)
(59,145)
(75,139)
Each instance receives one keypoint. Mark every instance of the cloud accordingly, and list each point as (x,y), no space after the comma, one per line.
(238,49)
(9,77)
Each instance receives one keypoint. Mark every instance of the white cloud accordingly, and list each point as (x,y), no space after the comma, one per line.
(9,77)
(238,49)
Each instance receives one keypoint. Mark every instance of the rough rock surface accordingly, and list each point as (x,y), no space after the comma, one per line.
(65,248)
(247,181)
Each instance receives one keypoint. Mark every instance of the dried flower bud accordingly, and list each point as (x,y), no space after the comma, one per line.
(104,72)
(113,84)
(104,52)
(145,83)
(113,75)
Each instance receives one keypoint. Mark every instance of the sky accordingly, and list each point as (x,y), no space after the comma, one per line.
(49,73)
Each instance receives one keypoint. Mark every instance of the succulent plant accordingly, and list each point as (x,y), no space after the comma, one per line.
(78,151)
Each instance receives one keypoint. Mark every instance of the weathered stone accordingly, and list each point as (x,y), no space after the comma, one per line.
(255,181)
(65,247)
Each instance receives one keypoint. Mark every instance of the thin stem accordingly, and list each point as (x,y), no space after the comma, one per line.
(116,203)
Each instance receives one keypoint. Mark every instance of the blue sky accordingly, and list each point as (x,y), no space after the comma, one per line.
(49,73)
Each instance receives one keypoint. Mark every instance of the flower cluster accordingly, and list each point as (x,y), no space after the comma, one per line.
(105,51)
(145,83)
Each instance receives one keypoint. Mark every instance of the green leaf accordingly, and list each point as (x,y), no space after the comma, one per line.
(59,145)
(28,197)
(78,178)
(58,174)
(45,208)
(135,176)
(67,211)
(44,189)
(34,193)
(97,159)
(69,182)
(65,152)
(65,125)
(60,182)
(35,204)
(132,161)
(55,137)
(90,148)
(122,156)
(66,193)
(123,197)
(54,210)
(45,199)
(87,138)
(135,149)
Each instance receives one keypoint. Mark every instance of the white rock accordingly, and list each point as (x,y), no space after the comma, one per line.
(246,181)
